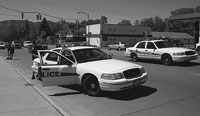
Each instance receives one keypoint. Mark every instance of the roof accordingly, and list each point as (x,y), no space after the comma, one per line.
(155,40)
(75,47)
(171,35)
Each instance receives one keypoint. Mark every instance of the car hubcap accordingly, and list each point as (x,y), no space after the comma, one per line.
(93,86)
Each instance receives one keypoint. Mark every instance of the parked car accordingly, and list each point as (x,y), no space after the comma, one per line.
(89,67)
(17,44)
(2,45)
(160,50)
(117,46)
(27,43)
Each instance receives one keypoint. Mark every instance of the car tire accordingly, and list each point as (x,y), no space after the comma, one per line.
(167,60)
(134,57)
(91,86)
(109,48)
(119,49)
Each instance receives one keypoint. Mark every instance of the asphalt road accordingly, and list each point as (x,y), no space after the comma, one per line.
(169,91)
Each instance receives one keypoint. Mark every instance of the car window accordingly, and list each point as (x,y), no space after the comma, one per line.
(150,45)
(68,54)
(162,44)
(141,45)
(86,55)
(64,61)
(52,57)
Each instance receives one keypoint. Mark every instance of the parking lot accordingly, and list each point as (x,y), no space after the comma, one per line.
(170,90)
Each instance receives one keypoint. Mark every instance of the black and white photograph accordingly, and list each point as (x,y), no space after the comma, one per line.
(99,58)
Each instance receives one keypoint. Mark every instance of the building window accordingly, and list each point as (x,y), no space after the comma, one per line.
(105,39)
(109,29)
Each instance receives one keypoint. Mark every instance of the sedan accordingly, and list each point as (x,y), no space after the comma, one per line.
(89,67)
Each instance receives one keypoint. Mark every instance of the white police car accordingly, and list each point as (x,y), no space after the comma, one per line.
(160,50)
(87,66)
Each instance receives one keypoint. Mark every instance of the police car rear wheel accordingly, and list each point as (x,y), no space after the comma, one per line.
(91,86)
(119,49)
(166,60)
(134,57)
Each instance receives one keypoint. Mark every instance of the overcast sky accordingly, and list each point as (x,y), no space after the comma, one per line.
(114,10)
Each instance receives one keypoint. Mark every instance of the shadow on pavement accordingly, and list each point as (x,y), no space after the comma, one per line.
(158,62)
(77,88)
(131,94)
(187,64)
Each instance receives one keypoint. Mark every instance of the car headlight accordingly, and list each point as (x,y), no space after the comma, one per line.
(142,70)
(179,53)
(114,76)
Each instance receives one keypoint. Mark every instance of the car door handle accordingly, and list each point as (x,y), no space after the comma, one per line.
(46,69)
(146,50)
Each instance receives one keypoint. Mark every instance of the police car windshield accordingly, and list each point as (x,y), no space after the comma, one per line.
(91,54)
(162,44)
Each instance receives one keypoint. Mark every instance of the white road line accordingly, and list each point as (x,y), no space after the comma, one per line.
(195,74)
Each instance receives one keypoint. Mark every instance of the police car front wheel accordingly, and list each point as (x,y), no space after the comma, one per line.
(134,57)
(91,86)
(166,60)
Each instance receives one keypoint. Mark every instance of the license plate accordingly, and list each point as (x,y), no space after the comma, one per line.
(137,82)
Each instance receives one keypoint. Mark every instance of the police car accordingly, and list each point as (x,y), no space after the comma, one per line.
(160,50)
(89,67)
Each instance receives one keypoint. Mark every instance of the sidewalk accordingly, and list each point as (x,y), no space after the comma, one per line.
(18,97)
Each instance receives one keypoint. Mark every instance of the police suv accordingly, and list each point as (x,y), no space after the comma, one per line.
(160,50)
(89,67)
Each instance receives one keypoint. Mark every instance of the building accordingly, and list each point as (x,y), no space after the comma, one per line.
(187,40)
(105,34)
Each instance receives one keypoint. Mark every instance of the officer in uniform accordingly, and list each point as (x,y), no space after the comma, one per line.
(36,46)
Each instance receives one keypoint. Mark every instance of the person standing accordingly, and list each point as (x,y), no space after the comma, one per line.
(36,46)
(10,49)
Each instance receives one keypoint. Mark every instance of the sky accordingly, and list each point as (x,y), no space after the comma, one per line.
(114,10)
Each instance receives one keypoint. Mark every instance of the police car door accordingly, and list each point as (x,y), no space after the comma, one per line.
(140,50)
(151,50)
(61,73)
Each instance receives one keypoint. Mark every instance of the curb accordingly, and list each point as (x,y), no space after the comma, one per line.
(53,104)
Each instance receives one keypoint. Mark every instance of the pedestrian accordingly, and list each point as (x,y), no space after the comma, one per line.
(10,49)
(36,46)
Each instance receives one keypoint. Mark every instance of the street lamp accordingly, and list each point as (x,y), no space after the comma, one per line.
(88,18)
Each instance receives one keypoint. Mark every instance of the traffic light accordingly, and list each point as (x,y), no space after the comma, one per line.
(39,16)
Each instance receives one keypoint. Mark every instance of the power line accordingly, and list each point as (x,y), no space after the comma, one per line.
(10,9)
(38,13)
